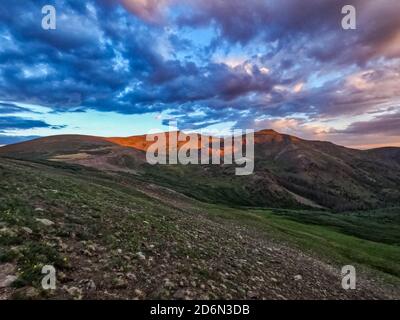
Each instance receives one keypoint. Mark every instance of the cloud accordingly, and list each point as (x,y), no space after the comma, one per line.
(17,123)
(11,108)
(388,124)
(148,10)
(180,58)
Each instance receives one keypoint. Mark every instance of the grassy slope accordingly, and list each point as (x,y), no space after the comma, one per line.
(86,205)
(327,240)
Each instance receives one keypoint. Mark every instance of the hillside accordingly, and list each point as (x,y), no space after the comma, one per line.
(111,235)
(289,172)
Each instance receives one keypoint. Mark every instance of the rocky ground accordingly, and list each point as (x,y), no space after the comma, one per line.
(109,238)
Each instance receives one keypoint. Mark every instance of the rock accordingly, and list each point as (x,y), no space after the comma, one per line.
(119,283)
(141,256)
(139,293)
(86,253)
(252,295)
(274,280)
(7,281)
(92,247)
(131,276)
(46,222)
(38,209)
(89,285)
(298,277)
(27,230)
(179,294)
(168,283)
(7,232)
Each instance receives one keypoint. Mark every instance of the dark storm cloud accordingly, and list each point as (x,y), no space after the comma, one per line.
(315,23)
(15,123)
(131,57)
(11,108)
(386,124)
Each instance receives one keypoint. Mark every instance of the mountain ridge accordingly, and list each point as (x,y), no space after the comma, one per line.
(289,171)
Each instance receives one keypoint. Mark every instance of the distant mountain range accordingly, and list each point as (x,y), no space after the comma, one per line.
(289,172)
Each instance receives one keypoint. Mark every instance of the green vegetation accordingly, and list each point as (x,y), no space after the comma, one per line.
(116,216)
(351,238)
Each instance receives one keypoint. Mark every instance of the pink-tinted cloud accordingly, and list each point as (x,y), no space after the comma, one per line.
(148,10)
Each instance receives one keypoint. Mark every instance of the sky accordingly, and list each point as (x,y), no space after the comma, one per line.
(125,67)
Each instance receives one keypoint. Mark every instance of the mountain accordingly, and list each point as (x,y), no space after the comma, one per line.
(289,172)
(115,227)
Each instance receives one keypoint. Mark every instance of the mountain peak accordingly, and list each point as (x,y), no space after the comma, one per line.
(267,132)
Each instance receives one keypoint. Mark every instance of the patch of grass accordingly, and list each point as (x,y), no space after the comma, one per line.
(318,235)
(375,225)
(33,256)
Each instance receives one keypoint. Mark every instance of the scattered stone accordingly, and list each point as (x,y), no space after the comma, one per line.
(46,222)
(119,283)
(38,209)
(27,230)
(92,247)
(131,276)
(179,294)
(168,283)
(139,293)
(298,277)
(7,232)
(140,255)
(7,281)
(90,285)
